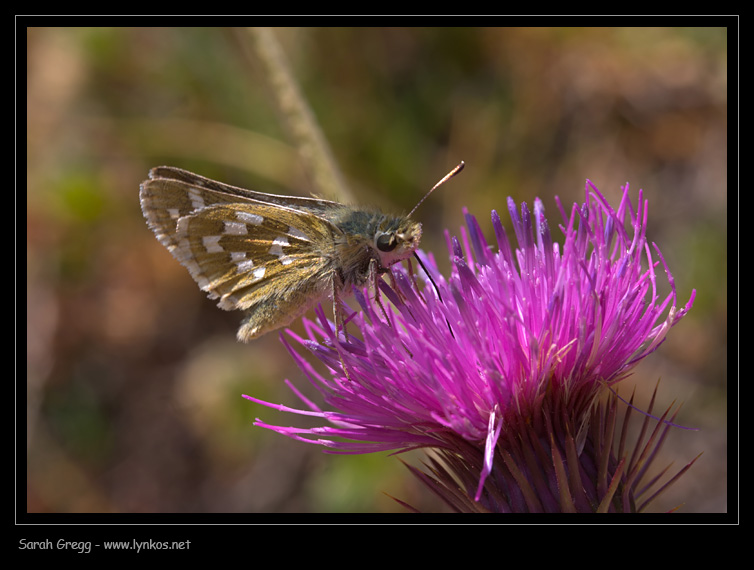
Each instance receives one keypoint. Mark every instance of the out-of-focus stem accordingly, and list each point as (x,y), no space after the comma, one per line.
(307,136)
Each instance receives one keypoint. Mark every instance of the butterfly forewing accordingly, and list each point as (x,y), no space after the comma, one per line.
(252,254)
(220,192)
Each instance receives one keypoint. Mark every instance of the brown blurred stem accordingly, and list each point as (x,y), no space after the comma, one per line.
(263,46)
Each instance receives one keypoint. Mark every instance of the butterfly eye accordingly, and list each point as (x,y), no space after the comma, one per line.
(386,242)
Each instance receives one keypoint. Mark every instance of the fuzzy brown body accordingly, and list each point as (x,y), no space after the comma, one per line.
(271,256)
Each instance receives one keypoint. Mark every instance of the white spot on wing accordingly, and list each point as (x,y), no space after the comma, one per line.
(297,233)
(249,218)
(277,246)
(197,202)
(212,244)
(258,273)
(235,228)
(243,264)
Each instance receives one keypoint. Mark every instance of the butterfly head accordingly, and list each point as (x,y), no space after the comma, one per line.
(397,239)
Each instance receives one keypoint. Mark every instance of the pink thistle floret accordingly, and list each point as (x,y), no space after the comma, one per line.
(506,329)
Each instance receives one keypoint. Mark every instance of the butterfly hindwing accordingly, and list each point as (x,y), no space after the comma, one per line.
(237,252)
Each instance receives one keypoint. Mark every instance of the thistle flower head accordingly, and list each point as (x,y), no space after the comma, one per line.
(500,369)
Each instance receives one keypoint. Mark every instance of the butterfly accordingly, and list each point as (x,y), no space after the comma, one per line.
(272,256)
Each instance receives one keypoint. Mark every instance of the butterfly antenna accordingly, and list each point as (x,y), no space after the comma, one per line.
(437,289)
(428,274)
(445,178)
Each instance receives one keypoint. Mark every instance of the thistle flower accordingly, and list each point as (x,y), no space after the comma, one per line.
(504,368)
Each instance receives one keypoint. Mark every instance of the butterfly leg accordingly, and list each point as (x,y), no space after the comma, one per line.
(339,324)
(337,311)
(375,273)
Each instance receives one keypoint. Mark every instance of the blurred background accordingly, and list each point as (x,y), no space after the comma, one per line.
(135,377)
